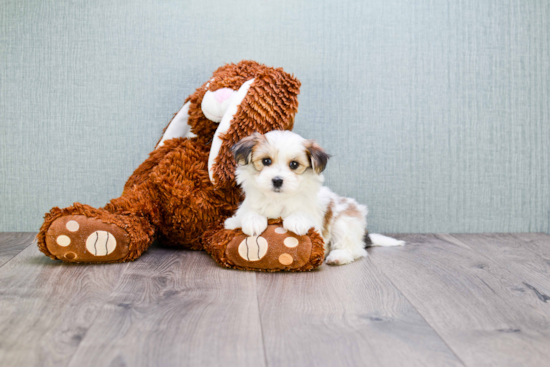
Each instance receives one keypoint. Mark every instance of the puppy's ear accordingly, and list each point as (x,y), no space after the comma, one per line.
(243,149)
(317,156)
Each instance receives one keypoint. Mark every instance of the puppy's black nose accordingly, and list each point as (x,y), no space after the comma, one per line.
(277,182)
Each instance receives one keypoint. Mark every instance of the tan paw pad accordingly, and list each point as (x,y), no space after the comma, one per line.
(253,248)
(291,242)
(72,225)
(101,243)
(63,240)
(285,259)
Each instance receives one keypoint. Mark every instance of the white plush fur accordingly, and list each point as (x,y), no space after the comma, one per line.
(214,108)
(302,202)
(178,127)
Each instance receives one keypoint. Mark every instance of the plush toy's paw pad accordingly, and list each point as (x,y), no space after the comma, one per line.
(339,257)
(77,238)
(275,249)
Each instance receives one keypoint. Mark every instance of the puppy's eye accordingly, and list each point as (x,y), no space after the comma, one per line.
(293,165)
(266,161)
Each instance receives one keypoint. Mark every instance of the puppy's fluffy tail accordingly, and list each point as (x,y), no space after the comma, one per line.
(375,239)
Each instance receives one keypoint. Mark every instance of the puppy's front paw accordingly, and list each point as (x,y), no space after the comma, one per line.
(298,223)
(339,257)
(254,224)
(232,223)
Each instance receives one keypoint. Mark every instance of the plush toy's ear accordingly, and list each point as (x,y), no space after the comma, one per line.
(267,102)
(178,126)
(317,156)
(224,125)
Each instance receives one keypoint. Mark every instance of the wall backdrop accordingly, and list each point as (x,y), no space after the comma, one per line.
(437,113)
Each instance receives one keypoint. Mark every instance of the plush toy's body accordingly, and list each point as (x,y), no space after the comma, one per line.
(186,187)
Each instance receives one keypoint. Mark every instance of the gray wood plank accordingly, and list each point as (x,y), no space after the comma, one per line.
(539,243)
(12,243)
(177,308)
(47,307)
(344,316)
(481,309)
(526,255)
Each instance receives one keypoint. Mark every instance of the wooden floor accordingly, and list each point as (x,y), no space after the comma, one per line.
(442,300)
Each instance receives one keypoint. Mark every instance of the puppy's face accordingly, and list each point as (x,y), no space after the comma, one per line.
(279,162)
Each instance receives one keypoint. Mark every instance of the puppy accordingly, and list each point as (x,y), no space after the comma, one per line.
(281,175)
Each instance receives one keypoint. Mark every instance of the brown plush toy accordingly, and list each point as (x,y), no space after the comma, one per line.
(186,188)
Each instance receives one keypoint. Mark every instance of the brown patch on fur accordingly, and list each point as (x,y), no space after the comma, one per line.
(352,211)
(327,220)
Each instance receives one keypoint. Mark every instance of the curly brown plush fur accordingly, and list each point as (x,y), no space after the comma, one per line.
(170,196)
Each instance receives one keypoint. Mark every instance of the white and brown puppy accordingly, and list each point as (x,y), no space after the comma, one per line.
(281,175)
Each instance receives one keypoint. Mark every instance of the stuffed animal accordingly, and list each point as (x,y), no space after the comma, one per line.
(186,188)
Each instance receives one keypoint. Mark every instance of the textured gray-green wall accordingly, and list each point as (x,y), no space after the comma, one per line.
(436,112)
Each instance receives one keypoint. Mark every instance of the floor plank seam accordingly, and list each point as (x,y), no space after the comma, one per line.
(541,296)
(14,256)
(417,311)
(99,312)
(33,242)
(260,319)
(496,262)
(471,249)
(486,256)
(514,235)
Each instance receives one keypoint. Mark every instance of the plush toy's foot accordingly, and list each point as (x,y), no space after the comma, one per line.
(83,234)
(274,250)
(77,238)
